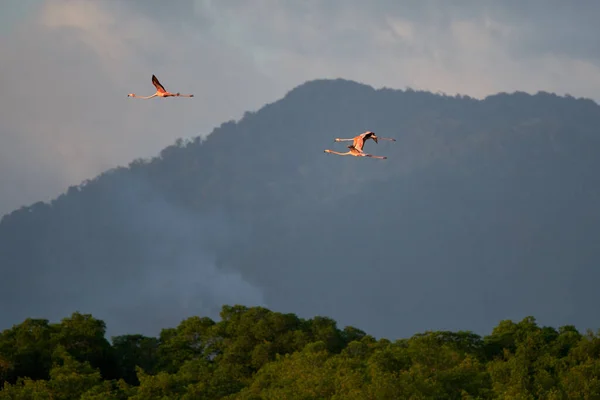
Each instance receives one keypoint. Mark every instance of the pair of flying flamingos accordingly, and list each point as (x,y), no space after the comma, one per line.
(356,148)
(358,142)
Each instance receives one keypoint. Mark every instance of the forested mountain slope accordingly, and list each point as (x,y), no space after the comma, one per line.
(484,210)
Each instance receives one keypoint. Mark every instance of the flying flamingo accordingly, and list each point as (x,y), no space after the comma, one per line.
(354,152)
(160,91)
(359,141)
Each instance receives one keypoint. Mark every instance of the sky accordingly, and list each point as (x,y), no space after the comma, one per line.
(67,66)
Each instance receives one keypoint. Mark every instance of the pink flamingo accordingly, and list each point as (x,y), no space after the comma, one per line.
(160,91)
(359,141)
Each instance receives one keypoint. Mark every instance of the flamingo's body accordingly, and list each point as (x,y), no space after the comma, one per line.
(160,91)
(354,152)
(358,142)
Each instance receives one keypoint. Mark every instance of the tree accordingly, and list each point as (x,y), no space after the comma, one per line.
(26,350)
(83,337)
(133,351)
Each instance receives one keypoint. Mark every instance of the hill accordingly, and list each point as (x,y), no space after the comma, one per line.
(484,210)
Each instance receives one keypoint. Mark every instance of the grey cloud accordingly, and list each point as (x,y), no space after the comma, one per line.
(174,12)
(559,28)
(345,30)
(176,276)
(170,269)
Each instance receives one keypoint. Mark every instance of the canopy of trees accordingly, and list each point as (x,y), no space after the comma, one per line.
(254,353)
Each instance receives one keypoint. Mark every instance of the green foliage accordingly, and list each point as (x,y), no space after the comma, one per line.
(25,350)
(254,353)
(83,337)
(133,350)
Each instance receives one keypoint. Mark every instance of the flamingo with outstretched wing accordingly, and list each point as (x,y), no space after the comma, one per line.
(359,141)
(160,91)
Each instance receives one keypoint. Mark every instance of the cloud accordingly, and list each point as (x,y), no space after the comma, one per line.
(68,64)
(473,48)
(147,266)
(175,275)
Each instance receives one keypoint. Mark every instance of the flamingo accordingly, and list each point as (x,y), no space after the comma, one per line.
(160,91)
(359,141)
(354,152)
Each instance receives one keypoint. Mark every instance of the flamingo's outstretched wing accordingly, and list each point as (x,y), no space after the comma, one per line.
(358,142)
(157,84)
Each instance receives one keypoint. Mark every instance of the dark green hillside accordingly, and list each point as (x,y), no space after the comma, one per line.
(484,210)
